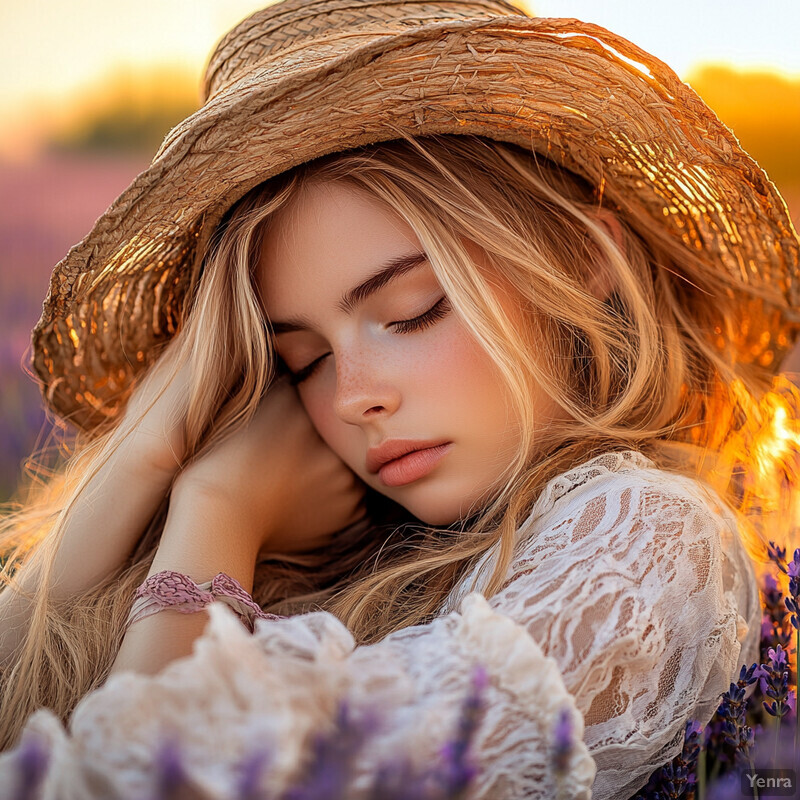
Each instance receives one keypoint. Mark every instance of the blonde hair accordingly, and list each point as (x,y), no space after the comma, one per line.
(634,370)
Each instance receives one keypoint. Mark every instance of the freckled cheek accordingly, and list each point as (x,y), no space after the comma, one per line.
(447,364)
(466,387)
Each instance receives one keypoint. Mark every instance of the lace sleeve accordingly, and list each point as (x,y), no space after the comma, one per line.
(615,610)
(643,594)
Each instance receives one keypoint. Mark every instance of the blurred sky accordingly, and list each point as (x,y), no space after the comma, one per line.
(50,48)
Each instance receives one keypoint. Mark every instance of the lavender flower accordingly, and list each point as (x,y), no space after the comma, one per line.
(564,744)
(172,781)
(692,742)
(773,628)
(33,758)
(793,605)
(792,569)
(332,757)
(729,786)
(395,780)
(728,743)
(169,771)
(453,776)
(777,555)
(793,601)
(728,738)
(457,770)
(677,778)
(251,769)
(774,682)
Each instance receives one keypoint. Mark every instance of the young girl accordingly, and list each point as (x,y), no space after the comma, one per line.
(410,405)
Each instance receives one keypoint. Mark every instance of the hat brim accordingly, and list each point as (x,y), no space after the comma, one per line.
(640,134)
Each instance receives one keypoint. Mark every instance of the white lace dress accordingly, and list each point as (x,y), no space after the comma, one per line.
(631,604)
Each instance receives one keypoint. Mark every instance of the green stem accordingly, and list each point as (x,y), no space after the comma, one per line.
(753,772)
(778,708)
(701,775)
(714,771)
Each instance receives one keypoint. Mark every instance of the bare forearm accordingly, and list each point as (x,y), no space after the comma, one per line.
(198,542)
(101,531)
(107,522)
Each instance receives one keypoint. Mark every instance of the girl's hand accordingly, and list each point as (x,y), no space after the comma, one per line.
(158,441)
(275,482)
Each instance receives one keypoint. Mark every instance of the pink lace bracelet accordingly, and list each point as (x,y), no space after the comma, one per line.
(170,589)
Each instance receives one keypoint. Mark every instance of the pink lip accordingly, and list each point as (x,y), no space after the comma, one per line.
(413,465)
(391,449)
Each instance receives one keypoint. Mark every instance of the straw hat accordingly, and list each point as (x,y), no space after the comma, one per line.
(303,78)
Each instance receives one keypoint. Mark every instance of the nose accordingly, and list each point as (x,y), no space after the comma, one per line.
(365,387)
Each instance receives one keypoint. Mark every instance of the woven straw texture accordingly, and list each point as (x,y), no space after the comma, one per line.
(303,78)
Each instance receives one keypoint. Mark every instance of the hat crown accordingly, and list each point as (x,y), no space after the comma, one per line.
(291,23)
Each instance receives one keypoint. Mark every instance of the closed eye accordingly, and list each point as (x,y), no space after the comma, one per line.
(431,316)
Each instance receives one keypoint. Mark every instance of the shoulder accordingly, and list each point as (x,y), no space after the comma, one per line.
(613,488)
(614,472)
(665,538)
(619,513)
(615,513)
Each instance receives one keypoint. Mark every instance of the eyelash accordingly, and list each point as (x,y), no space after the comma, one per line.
(404,326)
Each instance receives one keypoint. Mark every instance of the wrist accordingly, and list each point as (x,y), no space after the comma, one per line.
(201,494)
(200,540)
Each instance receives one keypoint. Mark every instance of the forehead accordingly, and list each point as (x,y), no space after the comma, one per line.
(324,242)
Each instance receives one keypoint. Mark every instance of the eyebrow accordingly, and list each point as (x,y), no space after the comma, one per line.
(390,271)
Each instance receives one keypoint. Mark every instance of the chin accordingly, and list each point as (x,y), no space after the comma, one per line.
(429,511)
(438,517)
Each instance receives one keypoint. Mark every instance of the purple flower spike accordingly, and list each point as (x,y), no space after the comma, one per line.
(763,675)
(729,738)
(32,760)
(747,675)
(332,758)
(774,629)
(777,656)
(170,774)
(327,774)
(395,780)
(793,570)
(777,555)
(793,604)
(774,682)
(251,769)
(563,742)
(693,730)
(793,601)
(480,678)
(677,778)
(457,772)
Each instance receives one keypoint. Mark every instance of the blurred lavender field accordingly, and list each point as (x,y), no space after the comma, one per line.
(45,208)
